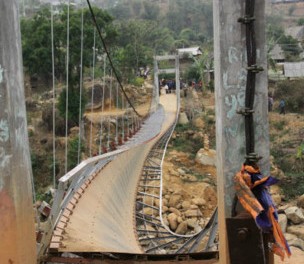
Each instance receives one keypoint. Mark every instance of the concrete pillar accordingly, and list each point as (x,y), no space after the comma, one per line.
(17,233)
(230,84)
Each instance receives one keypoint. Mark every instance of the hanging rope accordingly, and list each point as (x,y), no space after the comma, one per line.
(109,58)
(54,98)
(80,86)
(67,88)
(92,94)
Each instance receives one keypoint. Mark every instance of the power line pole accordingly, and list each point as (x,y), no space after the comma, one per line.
(17,232)
(230,83)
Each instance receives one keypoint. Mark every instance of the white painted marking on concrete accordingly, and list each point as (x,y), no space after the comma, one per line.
(1,74)
(4,135)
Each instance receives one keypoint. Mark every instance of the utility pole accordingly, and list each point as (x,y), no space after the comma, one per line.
(230,83)
(17,232)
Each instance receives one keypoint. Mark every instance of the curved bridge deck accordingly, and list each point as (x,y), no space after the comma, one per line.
(102,218)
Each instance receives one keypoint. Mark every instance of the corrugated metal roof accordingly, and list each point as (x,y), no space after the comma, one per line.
(294,69)
(193,50)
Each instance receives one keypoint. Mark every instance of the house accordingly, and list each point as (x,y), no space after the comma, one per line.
(188,52)
(277,54)
(294,69)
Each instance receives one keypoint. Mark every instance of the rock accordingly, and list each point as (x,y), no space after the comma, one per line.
(206,157)
(148,211)
(193,213)
(299,243)
(192,223)
(186,204)
(300,201)
(294,214)
(193,206)
(172,219)
(198,201)
(164,209)
(174,200)
(180,219)
(182,228)
(149,200)
(277,199)
(181,171)
(297,230)
(183,119)
(199,123)
(165,202)
(174,210)
(282,219)
(290,237)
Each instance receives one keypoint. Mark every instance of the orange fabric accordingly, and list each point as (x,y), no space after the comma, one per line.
(245,196)
(280,247)
(243,186)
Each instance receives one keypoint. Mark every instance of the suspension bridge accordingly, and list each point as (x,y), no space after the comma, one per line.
(100,207)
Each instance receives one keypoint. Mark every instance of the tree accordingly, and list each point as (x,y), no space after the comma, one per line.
(201,67)
(37,44)
(73,104)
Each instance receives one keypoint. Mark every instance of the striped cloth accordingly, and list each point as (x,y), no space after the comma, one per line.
(252,191)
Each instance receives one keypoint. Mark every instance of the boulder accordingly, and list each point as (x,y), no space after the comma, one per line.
(182,228)
(164,209)
(199,123)
(300,201)
(174,210)
(172,220)
(198,201)
(206,157)
(297,230)
(282,219)
(183,119)
(277,199)
(193,213)
(174,200)
(299,243)
(294,214)
(186,204)
(148,211)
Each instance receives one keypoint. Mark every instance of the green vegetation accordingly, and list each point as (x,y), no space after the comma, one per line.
(275,35)
(184,141)
(293,186)
(279,125)
(293,93)
(73,152)
(37,44)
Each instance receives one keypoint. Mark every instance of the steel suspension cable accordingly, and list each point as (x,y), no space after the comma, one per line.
(80,86)
(67,88)
(110,108)
(54,98)
(116,127)
(92,94)
(109,57)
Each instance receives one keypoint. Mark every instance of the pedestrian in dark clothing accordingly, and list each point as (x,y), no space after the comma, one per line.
(282,107)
